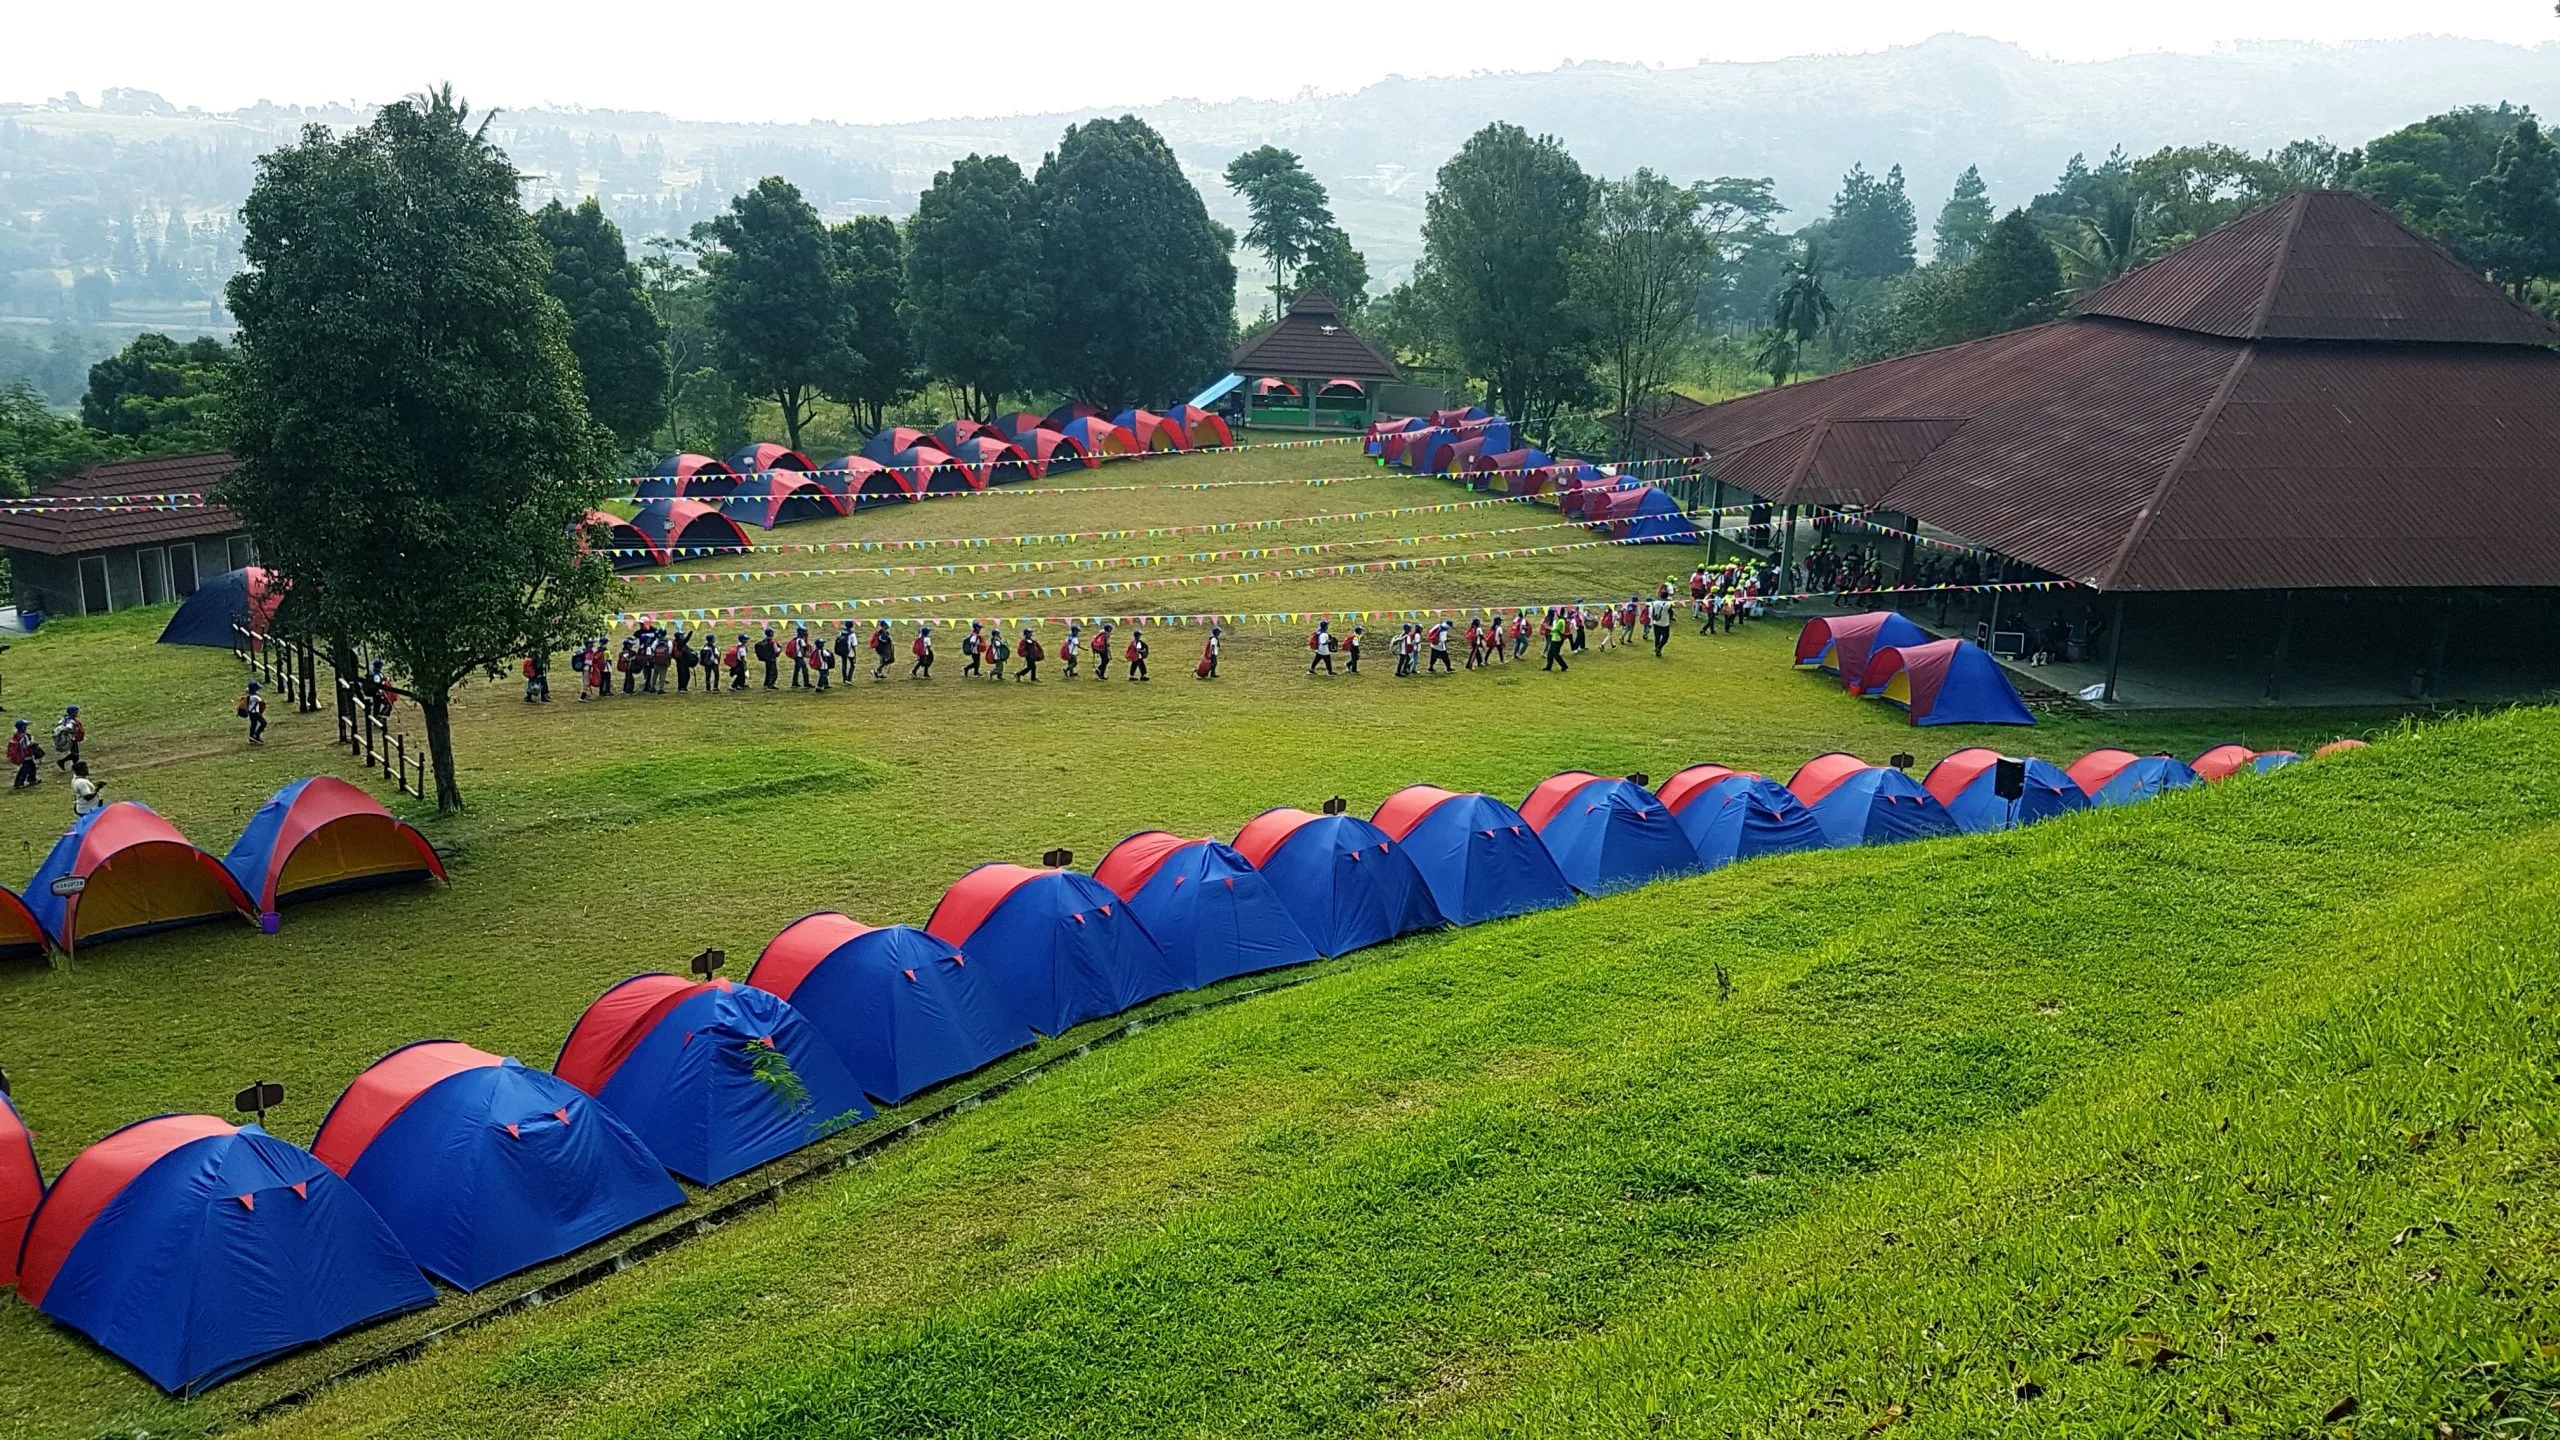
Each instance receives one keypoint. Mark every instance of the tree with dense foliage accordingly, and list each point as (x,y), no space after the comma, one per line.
(871,262)
(39,447)
(2515,210)
(2191,189)
(1339,270)
(1964,222)
(1873,232)
(1141,283)
(1410,321)
(1289,211)
(1804,310)
(1739,215)
(973,280)
(2425,171)
(1501,229)
(164,397)
(417,460)
(1637,282)
(2016,279)
(2103,246)
(781,315)
(621,347)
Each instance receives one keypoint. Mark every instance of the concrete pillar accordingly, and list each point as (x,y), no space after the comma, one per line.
(2115,644)
(2284,646)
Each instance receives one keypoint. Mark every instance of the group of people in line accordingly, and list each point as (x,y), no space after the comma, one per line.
(653,655)
(69,734)
(1727,596)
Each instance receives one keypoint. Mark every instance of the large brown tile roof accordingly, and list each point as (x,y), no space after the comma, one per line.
(1311,342)
(72,531)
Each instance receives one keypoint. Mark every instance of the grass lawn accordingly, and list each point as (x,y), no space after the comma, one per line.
(1490,1177)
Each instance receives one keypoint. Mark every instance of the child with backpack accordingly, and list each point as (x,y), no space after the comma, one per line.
(1075,644)
(822,663)
(1351,650)
(709,662)
(999,650)
(921,667)
(1207,669)
(1320,648)
(1102,652)
(882,647)
(1032,654)
(68,732)
(1136,654)
(24,752)
(738,662)
(972,646)
(253,708)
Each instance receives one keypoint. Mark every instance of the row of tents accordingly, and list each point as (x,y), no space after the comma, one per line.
(1481,449)
(196,1249)
(123,870)
(696,503)
(1884,656)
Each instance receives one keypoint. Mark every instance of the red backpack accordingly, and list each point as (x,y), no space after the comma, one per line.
(1101,643)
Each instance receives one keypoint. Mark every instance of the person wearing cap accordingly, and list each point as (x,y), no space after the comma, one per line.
(1031,653)
(847,645)
(973,648)
(1102,652)
(737,659)
(1440,650)
(1136,654)
(254,705)
(822,662)
(1075,643)
(68,732)
(797,647)
(999,650)
(1351,650)
(686,659)
(24,752)
(1658,616)
(1320,648)
(769,655)
(882,647)
(921,668)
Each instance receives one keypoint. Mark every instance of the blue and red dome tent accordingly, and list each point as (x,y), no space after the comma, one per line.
(763,459)
(1382,431)
(22,932)
(679,476)
(934,473)
(322,836)
(626,546)
(1014,424)
(2223,761)
(1201,429)
(1478,858)
(1968,783)
(1150,431)
(696,1069)
(1862,804)
(990,461)
(2120,777)
(1099,437)
(1732,815)
(1646,514)
(137,874)
(1057,947)
(1074,410)
(1044,450)
(1211,912)
(885,444)
(861,483)
(903,1010)
(235,597)
(950,433)
(21,1186)
(483,1167)
(1842,643)
(1345,882)
(2266,760)
(193,1249)
(681,528)
(781,497)
(1608,834)
(1945,682)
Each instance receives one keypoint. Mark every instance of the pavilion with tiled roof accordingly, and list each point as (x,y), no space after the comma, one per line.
(121,534)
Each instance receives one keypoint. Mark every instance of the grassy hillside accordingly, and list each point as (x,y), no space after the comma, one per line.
(1380,1199)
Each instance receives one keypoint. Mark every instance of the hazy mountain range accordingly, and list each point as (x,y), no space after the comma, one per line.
(1933,108)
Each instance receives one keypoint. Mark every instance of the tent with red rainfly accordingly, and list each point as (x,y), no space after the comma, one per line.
(1210,911)
(948,435)
(193,1249)
(2223,761)
(859,483)
(698,1070)
(1074,410)
(1479,859)
(21,1185)
(677,476)
(934,473)
(1014,424)
(1151,430)
(22,935)
(242,597)
(483,1167)
(683,529)
(1733,815)
(1608,834)
(1201,429)
(1099,437)
(625,544)
(1862,804)
(1842,644)
(322,836)
(2120,777)
(764,459)
(1058,947)
(889,442)
(1968,784)
(1945,682)
(125,871)
(903,1010)
(1345,882)
(781,497)
(991,460)
(1380,432)
(1043,449)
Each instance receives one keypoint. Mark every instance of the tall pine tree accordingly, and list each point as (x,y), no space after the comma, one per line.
(1964,222)
(973,280)
(1141,284)
(621,347)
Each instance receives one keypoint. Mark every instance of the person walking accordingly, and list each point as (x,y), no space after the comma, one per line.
(797,647)
(973,648)
(68,732)
(599,671)
(847,645)
(999,650)
(1351,650)
(1320,648)
(769,655)
(1440,650)
(1074,646)
(882,648)
(1031,654)
(84,791)
(537,678)
(253,706)
(1557,633)
(1475,641)
(737,658)
(921,667)
(1207,669)
(1136,654)
(1658,617)
(1729,609)
(1102,652)
(1520,634)
(822,663)
(686,659)
(24,752)
(708,661)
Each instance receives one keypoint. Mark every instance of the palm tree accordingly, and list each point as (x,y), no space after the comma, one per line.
(1804,307)
(2110,243)
(1777,355)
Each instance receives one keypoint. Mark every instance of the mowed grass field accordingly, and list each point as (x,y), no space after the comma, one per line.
(1518,1176)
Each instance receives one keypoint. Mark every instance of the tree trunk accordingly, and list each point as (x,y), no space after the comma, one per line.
(435,712)
(342,660)
(789,399)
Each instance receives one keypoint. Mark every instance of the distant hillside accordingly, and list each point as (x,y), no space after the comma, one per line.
(1933,108)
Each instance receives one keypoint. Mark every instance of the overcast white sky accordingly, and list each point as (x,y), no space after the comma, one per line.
(867,61)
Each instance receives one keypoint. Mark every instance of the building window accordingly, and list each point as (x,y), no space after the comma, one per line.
(154,564)
(93,585)
(182,569)
(241,555)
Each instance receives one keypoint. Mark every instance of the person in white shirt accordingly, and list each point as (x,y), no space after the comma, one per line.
(84,791)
